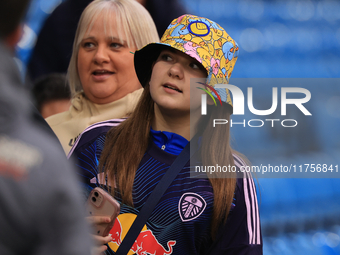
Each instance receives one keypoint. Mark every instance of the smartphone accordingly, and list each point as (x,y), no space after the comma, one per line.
(101,203)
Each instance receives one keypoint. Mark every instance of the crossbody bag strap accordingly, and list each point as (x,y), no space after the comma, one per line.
(153,199)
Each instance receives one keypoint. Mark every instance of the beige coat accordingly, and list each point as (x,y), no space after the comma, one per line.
(83,113)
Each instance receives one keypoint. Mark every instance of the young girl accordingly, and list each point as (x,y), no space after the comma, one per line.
(195,215)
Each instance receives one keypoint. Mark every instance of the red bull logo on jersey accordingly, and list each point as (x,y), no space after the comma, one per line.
(145,244)
(191,206)
(116,232)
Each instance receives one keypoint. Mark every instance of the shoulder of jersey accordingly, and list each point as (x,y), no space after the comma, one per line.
(93,131)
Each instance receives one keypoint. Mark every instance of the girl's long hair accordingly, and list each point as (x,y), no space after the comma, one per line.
(126,144)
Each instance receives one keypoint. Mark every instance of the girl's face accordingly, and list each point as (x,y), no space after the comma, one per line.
(105,64)
(170,80)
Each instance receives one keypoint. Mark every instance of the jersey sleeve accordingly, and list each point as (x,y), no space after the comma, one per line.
(86,153)
(241,234)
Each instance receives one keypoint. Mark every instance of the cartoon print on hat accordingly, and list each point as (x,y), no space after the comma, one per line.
(201,39)
(208,43)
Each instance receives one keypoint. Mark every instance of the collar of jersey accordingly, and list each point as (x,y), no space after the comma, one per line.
(171,142)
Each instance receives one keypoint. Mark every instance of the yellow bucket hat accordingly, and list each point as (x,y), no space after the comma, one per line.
(203,40)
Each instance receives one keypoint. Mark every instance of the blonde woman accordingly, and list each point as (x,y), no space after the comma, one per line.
(101,73)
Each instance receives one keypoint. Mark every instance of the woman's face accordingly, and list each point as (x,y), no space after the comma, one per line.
(170,81)
(105,64)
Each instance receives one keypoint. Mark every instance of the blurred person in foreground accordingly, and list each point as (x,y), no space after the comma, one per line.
(40,208)
(101,73)
(51,94)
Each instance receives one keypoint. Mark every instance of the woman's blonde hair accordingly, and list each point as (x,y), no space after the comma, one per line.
(132,20)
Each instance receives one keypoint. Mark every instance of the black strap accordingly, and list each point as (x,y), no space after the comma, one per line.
(153,199)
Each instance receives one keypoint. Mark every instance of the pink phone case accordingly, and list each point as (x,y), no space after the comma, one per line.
(101,203)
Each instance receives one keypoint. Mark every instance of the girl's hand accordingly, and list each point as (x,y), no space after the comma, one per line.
(100,241)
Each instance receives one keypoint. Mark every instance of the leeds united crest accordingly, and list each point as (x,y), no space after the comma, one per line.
(190,206)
